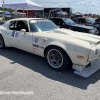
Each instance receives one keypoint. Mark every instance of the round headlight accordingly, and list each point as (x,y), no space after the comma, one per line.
(96,52)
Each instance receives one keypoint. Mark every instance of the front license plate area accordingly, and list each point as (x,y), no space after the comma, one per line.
(95,65)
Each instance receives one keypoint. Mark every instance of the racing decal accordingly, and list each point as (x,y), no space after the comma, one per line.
(15,34)
(37,46)
(81,57)
(41,47)
(43,41)
(36,40)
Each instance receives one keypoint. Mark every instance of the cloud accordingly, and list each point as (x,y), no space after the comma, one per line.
(77,7)
(98,8)
(51,0)
(82,3)
(86,3)
(53,5)
(94,4)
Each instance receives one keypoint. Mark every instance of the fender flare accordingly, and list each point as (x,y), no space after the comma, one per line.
(57,44)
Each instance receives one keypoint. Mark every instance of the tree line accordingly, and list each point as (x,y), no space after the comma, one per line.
(7,9)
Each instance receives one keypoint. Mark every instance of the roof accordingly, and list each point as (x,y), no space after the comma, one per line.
(59,18)
(78,17)
(27,19)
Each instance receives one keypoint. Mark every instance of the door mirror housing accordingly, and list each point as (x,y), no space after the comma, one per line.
(23,30)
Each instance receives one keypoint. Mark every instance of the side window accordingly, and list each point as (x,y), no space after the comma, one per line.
(13,25)
(22,25)
(26,26)
(58,21)
(62,22)
(75,20)
(55,21)
(81,21)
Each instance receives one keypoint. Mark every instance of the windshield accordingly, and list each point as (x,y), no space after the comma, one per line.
(42,25)
(69,21)
(91,20)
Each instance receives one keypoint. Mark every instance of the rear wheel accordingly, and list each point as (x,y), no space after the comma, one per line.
(2,44)
(57,58)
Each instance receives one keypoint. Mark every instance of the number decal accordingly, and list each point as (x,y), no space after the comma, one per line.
(15,34)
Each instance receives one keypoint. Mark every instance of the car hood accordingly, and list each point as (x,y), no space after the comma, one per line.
(79,35)
(72,36)
(83,26)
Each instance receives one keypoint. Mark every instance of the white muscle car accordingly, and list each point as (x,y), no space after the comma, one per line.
(60,47)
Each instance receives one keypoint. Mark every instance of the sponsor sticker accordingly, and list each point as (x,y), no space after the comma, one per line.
(13,33)
(37,46)
(36,40)
(41,47)
(81,57)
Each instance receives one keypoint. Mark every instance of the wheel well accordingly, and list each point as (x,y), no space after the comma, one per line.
(1,35)
(58,47)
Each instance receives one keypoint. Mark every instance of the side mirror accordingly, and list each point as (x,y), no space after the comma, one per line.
(23,30)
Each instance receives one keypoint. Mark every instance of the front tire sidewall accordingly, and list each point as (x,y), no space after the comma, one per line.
(3,46)
(49,60)
(65,59)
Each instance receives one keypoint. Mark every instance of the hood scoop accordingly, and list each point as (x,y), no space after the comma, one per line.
(60,31)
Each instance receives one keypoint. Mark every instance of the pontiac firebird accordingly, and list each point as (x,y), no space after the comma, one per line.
(61,48)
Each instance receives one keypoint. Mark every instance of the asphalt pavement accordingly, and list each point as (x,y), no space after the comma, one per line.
(23,71)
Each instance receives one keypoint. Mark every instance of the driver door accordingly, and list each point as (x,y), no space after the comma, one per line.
(18,39)
(12,34)
(25,38)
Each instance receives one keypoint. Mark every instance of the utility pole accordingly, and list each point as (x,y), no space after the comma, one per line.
(2,4)
(3,7)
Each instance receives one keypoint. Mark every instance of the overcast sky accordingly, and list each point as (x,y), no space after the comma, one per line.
(83,6)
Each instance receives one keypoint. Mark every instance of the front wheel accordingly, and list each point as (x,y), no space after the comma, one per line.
(57,58)
(2,44)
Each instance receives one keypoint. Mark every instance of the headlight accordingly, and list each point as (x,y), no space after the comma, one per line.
(96,52)
(95,29)
(91,31)
(96,25)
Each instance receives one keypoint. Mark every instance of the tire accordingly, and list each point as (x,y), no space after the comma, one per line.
(57,58)
(2,44)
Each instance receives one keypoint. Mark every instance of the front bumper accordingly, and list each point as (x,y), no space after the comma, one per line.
(87,71)
(96,33)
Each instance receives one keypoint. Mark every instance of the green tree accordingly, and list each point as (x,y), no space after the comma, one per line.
(7,9)
(97,15)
